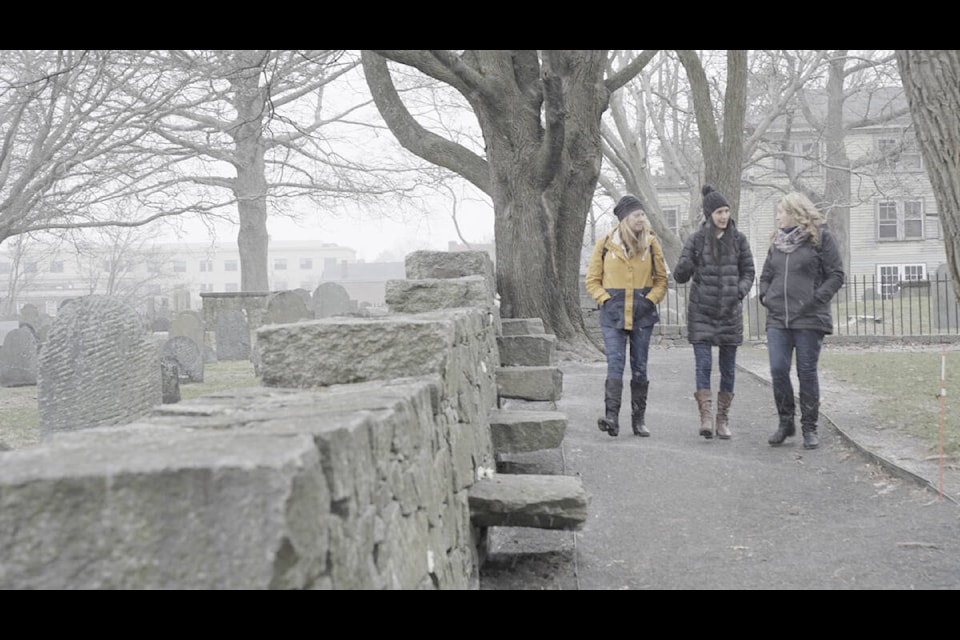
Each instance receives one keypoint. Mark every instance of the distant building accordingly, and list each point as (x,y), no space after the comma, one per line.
(170,276)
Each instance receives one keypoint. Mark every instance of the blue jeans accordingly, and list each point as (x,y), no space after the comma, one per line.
(781,345)
(727,359)
(615,343)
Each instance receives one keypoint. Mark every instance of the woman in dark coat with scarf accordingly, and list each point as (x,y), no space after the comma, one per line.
(802,272)
(718,261)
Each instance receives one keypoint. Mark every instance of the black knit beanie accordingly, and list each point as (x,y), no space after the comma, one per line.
(627,205)
(712,200)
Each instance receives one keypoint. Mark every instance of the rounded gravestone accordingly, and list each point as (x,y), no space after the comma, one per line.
(97,366)
(18,358)
(331,299)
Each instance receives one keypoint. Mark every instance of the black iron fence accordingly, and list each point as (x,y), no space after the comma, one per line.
(862,308)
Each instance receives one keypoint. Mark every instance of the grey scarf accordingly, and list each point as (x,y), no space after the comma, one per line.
(788,241)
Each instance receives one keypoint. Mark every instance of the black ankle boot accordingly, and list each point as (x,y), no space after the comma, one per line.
(638,406)
(809,416)
(784,431)
(786,410)
(612,393)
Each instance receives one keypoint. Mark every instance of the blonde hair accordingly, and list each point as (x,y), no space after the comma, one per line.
(634,243)
(804,213)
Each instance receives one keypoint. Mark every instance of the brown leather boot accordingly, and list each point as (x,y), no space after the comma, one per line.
(724,399)
(705,404)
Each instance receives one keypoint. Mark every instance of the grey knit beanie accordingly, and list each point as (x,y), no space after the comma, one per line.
(712,200)
(627,205)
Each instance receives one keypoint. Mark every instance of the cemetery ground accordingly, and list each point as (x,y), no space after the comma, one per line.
(20,414)
(899,385)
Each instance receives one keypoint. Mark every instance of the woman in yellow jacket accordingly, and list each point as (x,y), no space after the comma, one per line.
(627,276)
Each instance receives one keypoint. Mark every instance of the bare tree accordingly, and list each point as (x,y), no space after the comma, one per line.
(539,114)
(246,128)
(70,132)
(931,79)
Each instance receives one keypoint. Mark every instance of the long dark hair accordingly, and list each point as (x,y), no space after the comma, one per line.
(728,238)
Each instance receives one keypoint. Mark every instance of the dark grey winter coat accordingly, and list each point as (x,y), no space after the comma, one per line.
(714,309)
(796,288)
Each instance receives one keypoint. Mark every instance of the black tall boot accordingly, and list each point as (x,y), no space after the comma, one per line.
(612,392)
(638,405)
(809,415)
(786,410)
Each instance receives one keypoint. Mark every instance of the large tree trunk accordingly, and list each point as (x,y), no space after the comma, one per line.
(539,113)
(250,187)
(836,173)
(931,80)
(722,156)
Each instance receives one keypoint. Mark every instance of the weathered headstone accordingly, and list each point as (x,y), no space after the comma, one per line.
(942,292)
(189,324)
(306,297)
(97,366)
(187,355)
(233,336)
(19,358)
(29,314)
(170,379)
(331,299)
(284,307)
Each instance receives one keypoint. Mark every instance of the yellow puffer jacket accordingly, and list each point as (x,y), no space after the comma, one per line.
(612,277)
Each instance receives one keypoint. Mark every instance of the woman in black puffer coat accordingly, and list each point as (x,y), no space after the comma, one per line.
(718,261)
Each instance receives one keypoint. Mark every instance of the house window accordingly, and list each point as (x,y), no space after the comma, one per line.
(899,154)
(280,264)
(206,287)
(306,263)
(231,287)
(206,266)
(229,265)
(179,266)
(671,218)
(889,276)
(5,267)
(30,267)
(153,289)
(805,156)
(903,222)
(56,266)
(913,219)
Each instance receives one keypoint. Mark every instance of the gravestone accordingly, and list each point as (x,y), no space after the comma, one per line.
(942,292)
(233,336)
(331,299)
(29,314)
(170,379)
(6,326)
(189,324)
(306,297)
(187,355)
(284,307)
(97,366)
(19,358)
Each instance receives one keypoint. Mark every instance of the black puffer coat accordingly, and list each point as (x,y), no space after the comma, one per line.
(796,288)
(714,309)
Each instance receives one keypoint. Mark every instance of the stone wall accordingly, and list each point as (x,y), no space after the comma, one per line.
(348,469)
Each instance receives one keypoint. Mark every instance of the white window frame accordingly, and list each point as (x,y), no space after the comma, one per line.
(671,218)
(893,215)
(905,157)
(889,276)
(806,158)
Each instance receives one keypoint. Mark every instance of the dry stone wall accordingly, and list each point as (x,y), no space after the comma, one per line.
(348,469)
